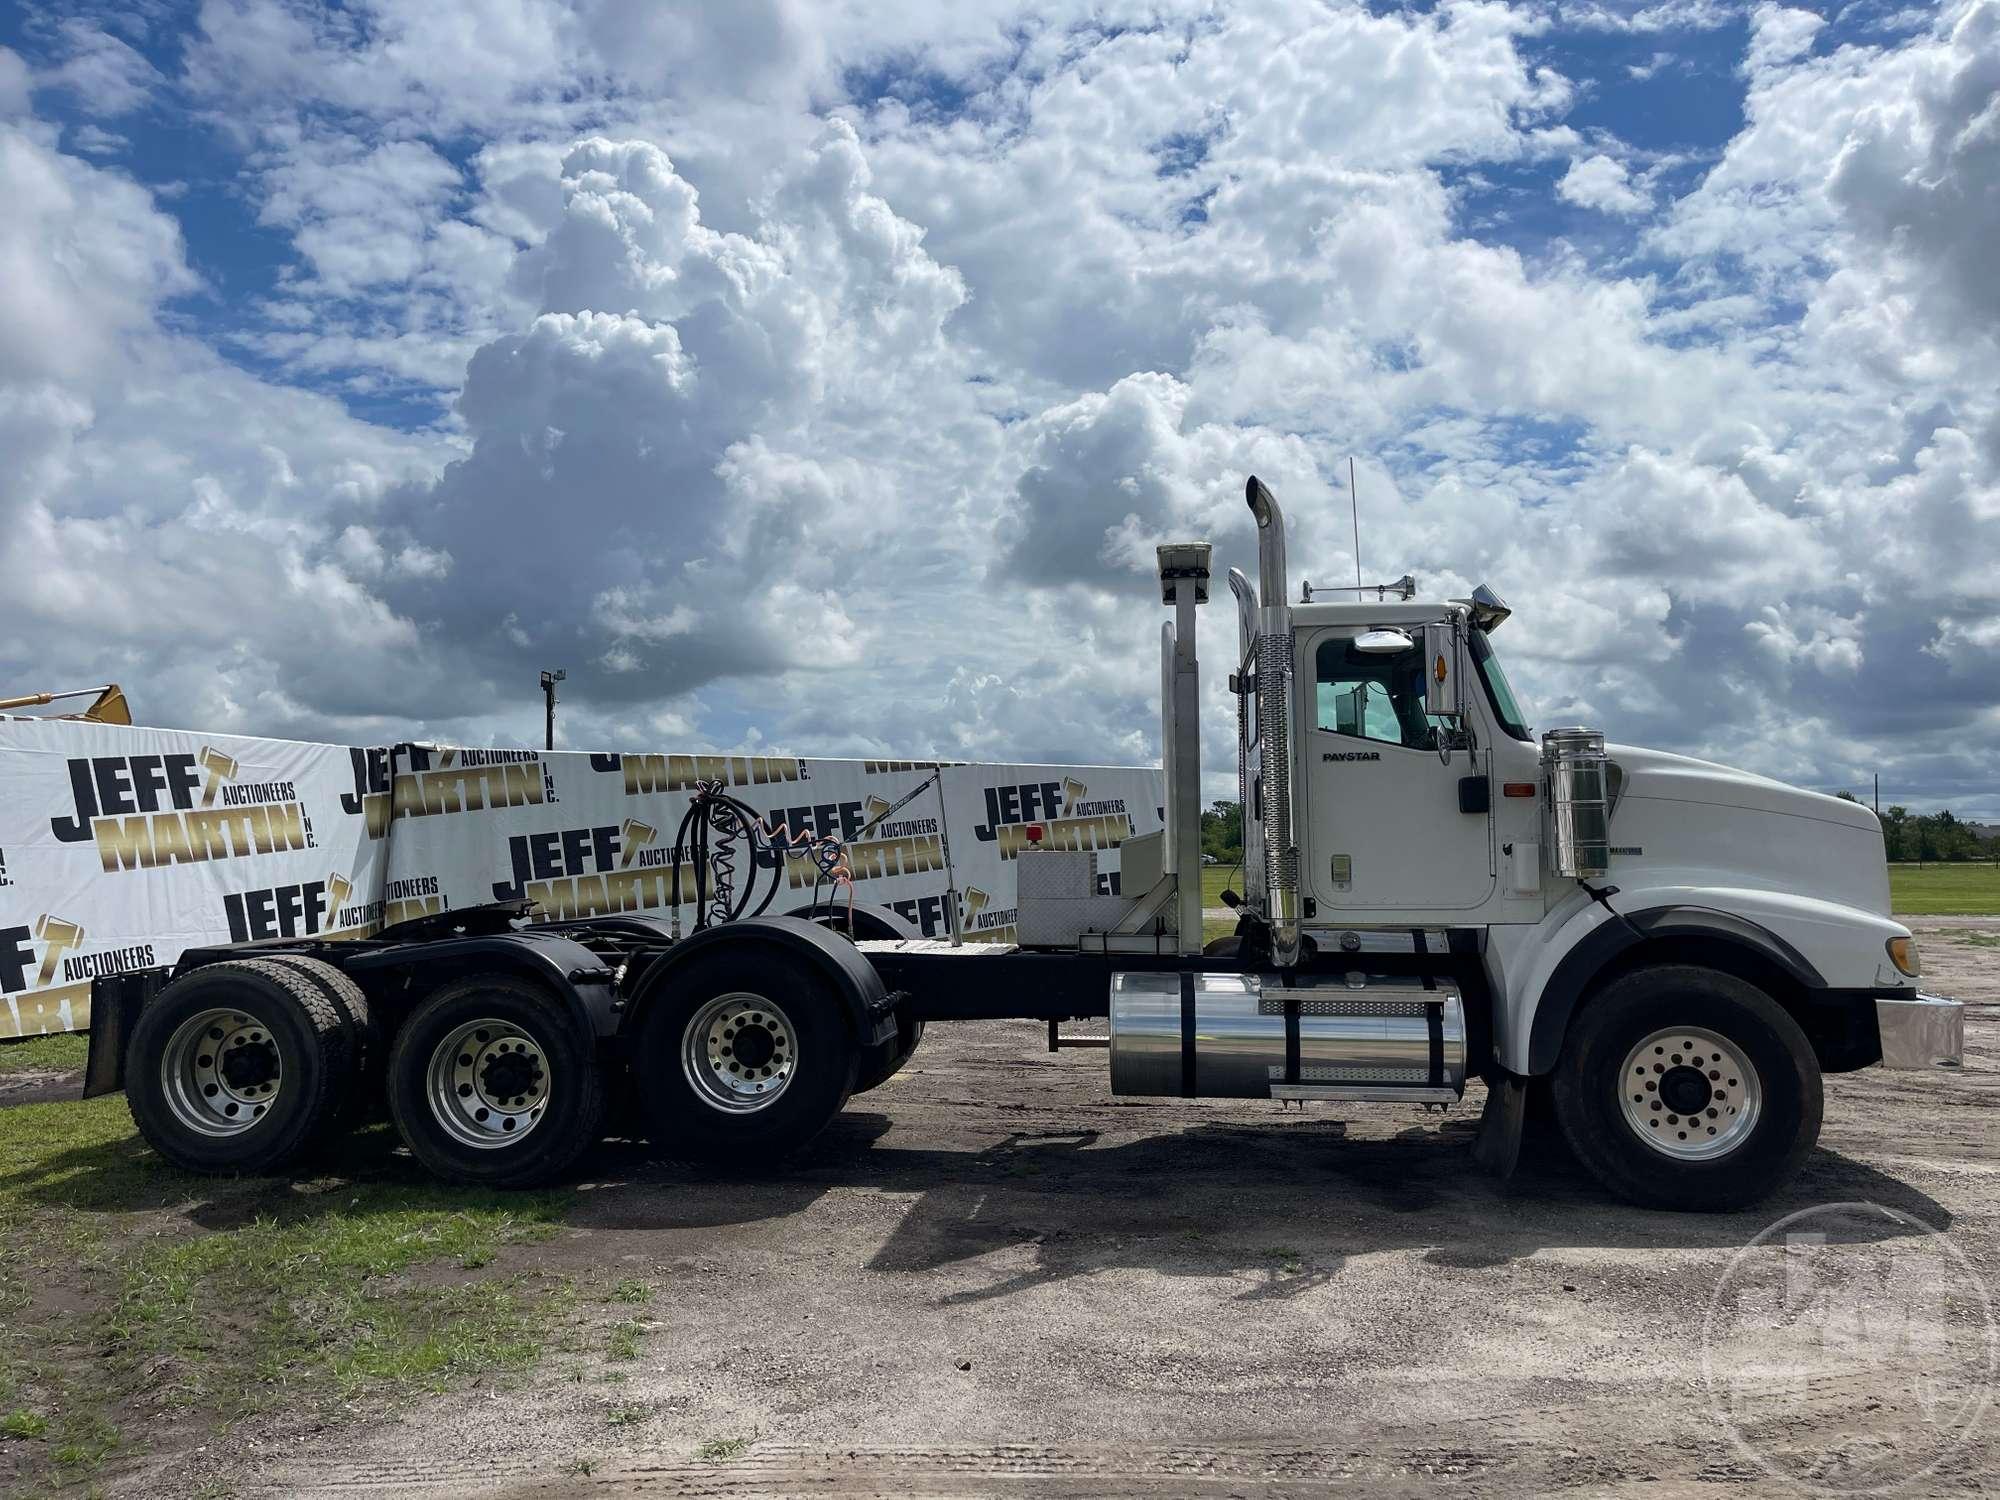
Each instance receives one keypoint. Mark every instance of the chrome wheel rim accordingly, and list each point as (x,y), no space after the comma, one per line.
(1690,1093)
(739,1052)
(488,1084)
(221,1072)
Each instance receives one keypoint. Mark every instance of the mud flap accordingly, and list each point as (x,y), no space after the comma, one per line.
(1498,1148)
(115,1002)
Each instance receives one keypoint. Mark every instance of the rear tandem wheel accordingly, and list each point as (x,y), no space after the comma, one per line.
(492,1082)
(743,1058)
(240,1066)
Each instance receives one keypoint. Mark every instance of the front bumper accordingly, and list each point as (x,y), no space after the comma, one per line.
(1923,1031)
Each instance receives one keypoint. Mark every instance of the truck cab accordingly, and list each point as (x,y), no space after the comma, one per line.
(1398,801)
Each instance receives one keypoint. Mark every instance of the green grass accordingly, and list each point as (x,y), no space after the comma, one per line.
(22,1423)
(722,1450)
(622,1340)
(125,1284)
(1967,890)
(325,1305)
(1213,879)
(62,1052)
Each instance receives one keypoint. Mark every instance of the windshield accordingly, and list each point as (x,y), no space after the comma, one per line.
(1498,692)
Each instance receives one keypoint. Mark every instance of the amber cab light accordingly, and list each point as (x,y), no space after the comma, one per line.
(1903,954)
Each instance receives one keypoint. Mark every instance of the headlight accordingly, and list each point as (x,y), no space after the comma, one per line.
(1903,954)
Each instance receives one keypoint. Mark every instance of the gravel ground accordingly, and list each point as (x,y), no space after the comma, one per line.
(990,1276)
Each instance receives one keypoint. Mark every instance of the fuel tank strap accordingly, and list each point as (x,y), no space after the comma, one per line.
(1187,1034)
(1433,1014)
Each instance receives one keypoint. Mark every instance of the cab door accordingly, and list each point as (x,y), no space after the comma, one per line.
(1385,837)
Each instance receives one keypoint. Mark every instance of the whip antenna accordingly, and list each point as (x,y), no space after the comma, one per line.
(1354,503)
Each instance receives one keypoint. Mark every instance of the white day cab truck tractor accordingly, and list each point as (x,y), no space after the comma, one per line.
(1677,952)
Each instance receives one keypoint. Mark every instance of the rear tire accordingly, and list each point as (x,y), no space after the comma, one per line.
(1684,1087)
(743,1058)
(240,1066)
(367,1101)
(492,1083)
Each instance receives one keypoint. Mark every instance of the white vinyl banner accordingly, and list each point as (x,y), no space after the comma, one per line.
(121,847)
(589,835)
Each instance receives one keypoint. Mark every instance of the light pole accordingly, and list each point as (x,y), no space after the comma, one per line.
(549,681)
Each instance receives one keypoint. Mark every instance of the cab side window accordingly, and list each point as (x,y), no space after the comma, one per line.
(1377,698)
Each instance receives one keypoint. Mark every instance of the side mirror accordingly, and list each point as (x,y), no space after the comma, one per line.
(1441,671)
(1383,642)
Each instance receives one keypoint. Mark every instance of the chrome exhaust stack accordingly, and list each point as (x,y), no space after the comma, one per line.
(1246,767)
(1274,704)
(1246,615)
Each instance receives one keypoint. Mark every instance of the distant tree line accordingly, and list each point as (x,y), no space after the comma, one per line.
(1921,838)
(1910,838)
(1222,833)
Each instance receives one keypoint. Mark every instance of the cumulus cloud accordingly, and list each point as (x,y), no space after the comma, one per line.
(15,83)
(1603,184)
(84,257)
(824,376)
(105,73)
(668,479)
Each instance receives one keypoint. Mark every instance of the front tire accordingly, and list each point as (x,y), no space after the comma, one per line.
(242,1066)
(492,1083)
(1684,1087)
(742,1059)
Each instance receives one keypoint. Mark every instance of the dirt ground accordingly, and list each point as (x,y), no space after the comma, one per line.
(990,1276)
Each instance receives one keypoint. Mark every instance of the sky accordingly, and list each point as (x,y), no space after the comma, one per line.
(818,377)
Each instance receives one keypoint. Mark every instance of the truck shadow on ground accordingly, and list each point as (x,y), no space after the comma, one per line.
(1282,1208)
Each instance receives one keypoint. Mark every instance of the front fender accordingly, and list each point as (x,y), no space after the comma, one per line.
(1546,971)
(1521,961)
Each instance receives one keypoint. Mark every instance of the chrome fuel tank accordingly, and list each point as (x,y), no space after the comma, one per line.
(1239,1036)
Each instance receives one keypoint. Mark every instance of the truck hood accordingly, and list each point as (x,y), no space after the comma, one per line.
(1681,821)
(1682,778)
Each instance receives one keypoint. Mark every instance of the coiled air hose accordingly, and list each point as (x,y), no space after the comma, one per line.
(711,832)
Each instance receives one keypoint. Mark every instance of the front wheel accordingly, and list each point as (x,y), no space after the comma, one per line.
(492,1082)
(1684,1087)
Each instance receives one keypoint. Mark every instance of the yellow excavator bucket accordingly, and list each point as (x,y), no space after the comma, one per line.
(110,706)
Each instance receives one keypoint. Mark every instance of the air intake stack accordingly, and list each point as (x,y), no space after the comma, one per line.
(1184,585)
